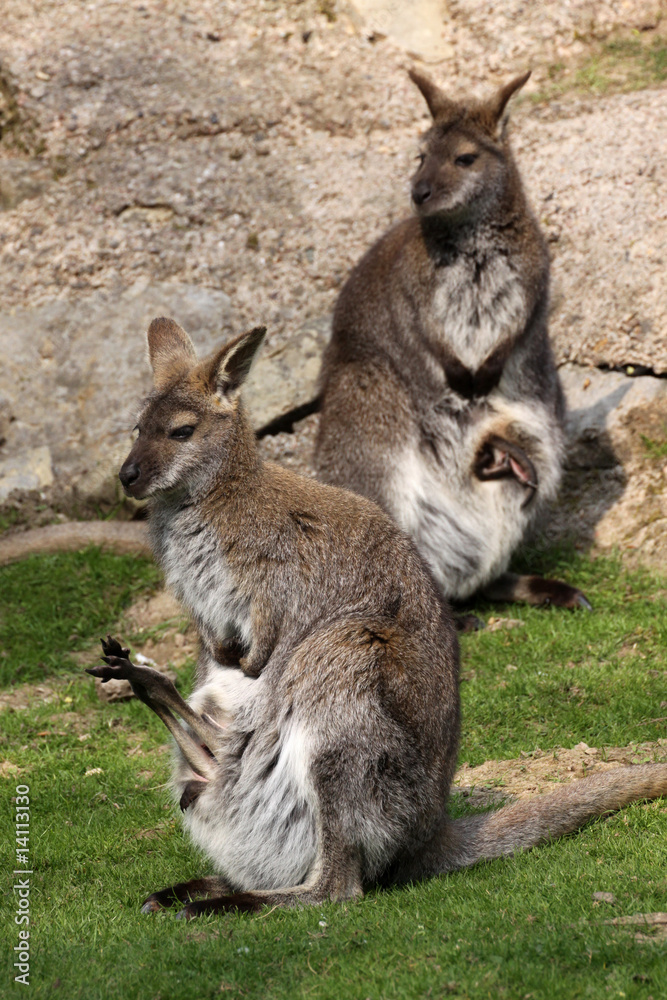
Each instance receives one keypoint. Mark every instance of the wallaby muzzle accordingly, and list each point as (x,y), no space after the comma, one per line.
(129,475)
(421,192)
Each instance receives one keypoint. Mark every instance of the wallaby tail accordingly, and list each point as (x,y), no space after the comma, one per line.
(529,822)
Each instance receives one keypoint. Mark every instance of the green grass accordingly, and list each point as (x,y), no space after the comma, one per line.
(51,606)
(655,450)
(614,66)
(523,927)
(597,677)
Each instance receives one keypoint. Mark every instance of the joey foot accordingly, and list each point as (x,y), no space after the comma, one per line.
(159,694)
(501,459)
(148,684)
(191,793)
(184,892)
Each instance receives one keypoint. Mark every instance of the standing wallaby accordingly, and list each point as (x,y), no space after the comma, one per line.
(331,769)
(439,393)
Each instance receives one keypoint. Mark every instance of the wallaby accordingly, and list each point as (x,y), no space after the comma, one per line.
(330,770)
(440,398)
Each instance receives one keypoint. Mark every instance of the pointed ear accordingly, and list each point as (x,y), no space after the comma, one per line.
(498,103)
(170,351)
(230,367)
(439,104)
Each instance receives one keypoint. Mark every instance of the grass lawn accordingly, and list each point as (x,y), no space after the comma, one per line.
(104,833)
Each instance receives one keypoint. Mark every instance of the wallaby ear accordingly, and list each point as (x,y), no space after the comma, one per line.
(498,103)
(170,350)
(439,104)
(231,365)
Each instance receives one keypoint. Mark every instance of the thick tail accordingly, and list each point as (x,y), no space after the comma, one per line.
(529,822)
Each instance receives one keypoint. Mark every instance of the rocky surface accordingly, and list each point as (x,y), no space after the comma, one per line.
(228,162)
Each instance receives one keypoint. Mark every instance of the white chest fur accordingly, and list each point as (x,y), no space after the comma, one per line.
(477,306)
(200,575)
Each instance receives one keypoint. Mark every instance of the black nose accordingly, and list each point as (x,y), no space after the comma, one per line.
(129,474)
(421,192)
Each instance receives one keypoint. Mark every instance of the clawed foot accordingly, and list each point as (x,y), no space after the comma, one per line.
(117,660)
(466,622)
(559,594)
(185,892)
(501,459)
(149,685)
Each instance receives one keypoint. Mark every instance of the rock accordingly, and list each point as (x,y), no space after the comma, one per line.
(604,897)
(614,493)
(596,183)
(287,376)
(600,405)
(418,26)
(74,373)
(21,179)
(30,470)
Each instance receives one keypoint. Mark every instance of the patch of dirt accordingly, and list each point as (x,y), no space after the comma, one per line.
(172,643)
(173,639)
(497,781)
(26,695)
(650,926)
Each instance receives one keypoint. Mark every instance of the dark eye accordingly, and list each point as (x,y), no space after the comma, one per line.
(421,157)
(182,433)
(465,160)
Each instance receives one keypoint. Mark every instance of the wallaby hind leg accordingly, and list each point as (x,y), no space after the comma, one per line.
(339,878)
(336,872)
(184,892)
(535,590)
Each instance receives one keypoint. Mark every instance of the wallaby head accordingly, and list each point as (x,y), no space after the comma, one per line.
(189,425)
(465,163)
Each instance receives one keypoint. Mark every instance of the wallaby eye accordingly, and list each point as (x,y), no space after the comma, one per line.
(182,433)
(465,159)
(421,157)
(135,433)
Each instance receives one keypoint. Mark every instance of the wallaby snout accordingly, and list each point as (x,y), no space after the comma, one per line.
(129,474)
(421,192)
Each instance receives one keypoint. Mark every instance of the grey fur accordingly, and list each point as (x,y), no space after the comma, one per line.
(322,761)
(439,346)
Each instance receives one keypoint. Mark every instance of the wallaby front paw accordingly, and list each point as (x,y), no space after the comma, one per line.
(249,667)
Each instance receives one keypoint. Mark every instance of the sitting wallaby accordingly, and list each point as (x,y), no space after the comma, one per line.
(440,398)
(331,770)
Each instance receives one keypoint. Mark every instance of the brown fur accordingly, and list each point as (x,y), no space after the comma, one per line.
(440,350)
(359,669)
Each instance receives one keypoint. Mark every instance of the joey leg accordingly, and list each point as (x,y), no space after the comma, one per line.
(501,459)
(535,590)
(184,892)
(158,692)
